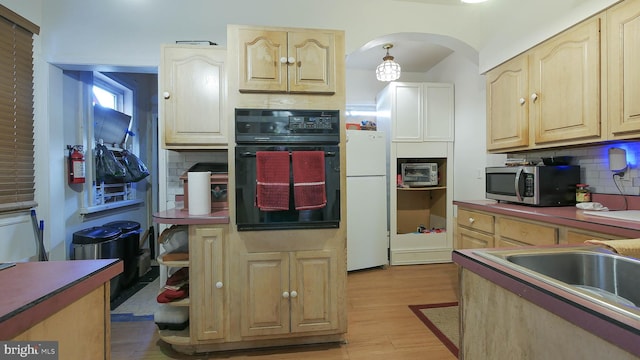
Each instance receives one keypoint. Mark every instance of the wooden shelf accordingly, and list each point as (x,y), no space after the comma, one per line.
(431,188)
(174,337)
(183,263)
(182,302)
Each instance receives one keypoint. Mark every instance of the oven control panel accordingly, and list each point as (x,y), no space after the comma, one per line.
(287,126)
(311,122)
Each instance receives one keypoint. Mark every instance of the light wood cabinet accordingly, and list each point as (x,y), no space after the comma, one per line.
(287,60)
(475,230)
(515,231)
(207,283)
(193,96)
(623,34)
(418,112)
(576,236)
(565,85)
(289,292)
(550,95)
(480,229)
(507,105)
(207,287)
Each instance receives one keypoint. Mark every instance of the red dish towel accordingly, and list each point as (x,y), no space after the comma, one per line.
(272,180)
(308,180)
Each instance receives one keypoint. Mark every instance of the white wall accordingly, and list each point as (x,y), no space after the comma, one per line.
(530,25)
(470,155)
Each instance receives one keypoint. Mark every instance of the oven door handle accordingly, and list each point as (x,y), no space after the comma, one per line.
(517,183)
(248,154)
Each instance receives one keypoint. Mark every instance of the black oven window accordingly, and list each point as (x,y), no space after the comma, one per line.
(249,216)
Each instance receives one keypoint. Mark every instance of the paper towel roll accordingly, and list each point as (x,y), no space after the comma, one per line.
(199,192)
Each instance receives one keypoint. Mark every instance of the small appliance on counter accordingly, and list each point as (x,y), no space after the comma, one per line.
(419,174)
(533,185)
(219,181)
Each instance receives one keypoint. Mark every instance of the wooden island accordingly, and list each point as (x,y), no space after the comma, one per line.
(63,301)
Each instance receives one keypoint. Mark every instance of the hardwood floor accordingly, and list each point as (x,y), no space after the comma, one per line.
(380,323)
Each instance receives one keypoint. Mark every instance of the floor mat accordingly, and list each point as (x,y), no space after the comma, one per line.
(143,281)
(443,320)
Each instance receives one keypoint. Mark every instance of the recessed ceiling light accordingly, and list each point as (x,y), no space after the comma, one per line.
(473,1)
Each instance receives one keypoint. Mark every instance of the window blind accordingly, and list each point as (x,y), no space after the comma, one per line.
(16,112)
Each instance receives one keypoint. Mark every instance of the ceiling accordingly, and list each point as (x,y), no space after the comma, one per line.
(413,55)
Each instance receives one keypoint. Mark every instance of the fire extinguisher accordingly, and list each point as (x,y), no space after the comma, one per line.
(76,165)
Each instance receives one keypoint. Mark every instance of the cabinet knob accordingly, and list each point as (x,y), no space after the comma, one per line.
(291,60)
(285,295)
(219,285)
(166,95)
(534,97)
(283,60)
(523,101)
(471,220)
(294,294)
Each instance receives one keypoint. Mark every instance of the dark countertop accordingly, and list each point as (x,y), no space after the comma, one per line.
(180,216)
(33,291)
(562,215)
(597,319)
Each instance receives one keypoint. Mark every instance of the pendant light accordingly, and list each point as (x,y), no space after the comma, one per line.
(389,70)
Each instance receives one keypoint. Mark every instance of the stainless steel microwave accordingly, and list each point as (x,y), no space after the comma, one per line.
(533,185)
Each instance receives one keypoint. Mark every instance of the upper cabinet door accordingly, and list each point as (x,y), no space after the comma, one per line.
(438,109)
(193,89)
(261,53)
(279,61)
(623,29)
(406,112)
(417,112)
(565,85)
(508,105)
(311,62)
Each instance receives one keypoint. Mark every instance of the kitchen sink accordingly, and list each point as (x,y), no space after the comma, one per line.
(590,272)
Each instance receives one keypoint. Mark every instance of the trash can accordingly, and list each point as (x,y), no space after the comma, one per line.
(99,243)
(129,245)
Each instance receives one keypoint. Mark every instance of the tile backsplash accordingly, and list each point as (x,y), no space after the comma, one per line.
(181,161)
(594,166)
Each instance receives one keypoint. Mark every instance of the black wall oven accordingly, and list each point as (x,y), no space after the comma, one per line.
(287,169)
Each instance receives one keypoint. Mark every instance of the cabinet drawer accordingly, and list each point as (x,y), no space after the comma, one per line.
(475,220)
(527,233)
(468,239)
(577,237)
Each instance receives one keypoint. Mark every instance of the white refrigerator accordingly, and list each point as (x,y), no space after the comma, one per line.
(367,235)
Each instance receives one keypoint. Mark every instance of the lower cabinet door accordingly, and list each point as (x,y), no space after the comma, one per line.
(468,239)
(289,292)
(313,293)
(207,287)
(265,300)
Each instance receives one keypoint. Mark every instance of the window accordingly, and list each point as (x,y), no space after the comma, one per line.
(104,97)
(111,126)
(16,111)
